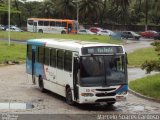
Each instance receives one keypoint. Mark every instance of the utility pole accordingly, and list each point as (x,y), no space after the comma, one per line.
(77,4)
(77,16)
(146,12)
(9,15)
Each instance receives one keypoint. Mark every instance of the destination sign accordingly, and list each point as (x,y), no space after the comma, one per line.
(102,50)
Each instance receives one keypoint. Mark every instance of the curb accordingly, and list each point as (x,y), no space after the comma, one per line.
(142,96)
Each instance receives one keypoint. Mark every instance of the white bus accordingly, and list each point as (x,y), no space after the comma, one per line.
(58,26)
(83,72)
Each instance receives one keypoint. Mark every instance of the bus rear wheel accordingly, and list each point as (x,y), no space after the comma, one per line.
(41,85)
(69,99)
(63,32)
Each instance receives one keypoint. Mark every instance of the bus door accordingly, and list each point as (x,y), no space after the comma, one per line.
(75,77)
(70,28)
(33,66)
(35,27)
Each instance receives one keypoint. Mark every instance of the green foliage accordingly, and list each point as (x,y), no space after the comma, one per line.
(96,11)
(29,35)
(148,86)
(153,65)
(14,52)
(137,58)
(4,8)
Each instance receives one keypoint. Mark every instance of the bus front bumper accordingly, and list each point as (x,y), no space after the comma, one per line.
(95,99)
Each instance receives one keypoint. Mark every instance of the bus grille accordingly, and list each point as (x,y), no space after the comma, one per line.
(105,94)
(106,100)
(109,89)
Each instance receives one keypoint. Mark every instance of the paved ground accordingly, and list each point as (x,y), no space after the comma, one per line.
(131,45)
(15,87)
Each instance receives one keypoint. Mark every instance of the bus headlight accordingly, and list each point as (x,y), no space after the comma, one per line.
(122,93)
(87,94)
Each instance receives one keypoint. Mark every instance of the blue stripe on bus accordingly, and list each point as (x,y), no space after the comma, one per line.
(38,67)
(122,88)
(35,42)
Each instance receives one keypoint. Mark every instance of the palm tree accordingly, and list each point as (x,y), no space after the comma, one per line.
(154,13)
(19,14)
(121,3)
(47,9)
(66,8)
(90,10)
(121,6)
(103,11)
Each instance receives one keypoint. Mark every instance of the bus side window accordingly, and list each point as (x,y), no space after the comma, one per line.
(46,23)
(52,23)
(58,24)
(53,57)
(60,59)
(68,61)
(40,55)
(64,24)
(46,57)
(29,52)
(40,23)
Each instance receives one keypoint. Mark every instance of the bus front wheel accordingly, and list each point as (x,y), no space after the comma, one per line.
(41,85)
(69,99)
(111,103)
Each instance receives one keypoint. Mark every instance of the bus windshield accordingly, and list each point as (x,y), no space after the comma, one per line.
(103,70)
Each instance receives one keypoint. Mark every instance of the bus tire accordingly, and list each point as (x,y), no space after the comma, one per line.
(63,32)
(41,85)
(40,31)
(110,103)
(69,99)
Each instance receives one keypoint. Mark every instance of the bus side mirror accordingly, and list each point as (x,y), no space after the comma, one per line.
(126,57)
(76,63)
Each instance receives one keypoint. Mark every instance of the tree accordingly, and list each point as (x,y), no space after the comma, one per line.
(66,8)
(153,65)
(4,11)
(121,9)
(90,10)
(47,9)
(19,14)
(154,13)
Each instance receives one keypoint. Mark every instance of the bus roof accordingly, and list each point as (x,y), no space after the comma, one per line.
(68,44)
(50,19)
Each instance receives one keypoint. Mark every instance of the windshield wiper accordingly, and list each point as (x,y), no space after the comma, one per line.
(97,61)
